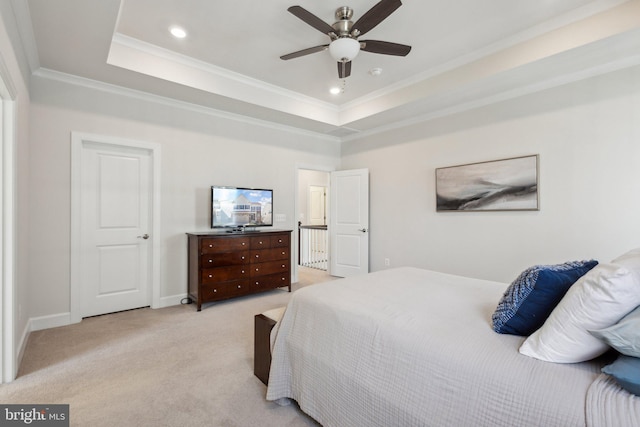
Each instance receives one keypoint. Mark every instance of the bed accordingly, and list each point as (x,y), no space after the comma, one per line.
(413,347)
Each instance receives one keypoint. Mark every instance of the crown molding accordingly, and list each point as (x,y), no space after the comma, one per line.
(22,16)
(74,80)
(554,24)
(603,57)
(139,56)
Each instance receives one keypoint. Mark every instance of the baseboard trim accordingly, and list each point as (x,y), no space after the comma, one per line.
(64,319)
(171,300)
(51,321)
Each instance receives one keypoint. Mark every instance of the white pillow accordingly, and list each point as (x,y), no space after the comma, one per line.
(631,261)
(597,300)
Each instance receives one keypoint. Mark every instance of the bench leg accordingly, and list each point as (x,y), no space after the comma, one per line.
(262,347)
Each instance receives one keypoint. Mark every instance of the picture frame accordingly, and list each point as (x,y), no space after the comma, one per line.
(498,185)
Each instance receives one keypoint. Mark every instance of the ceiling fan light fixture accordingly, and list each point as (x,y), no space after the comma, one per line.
(344,49)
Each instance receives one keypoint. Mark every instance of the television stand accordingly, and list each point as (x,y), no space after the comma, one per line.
(223,266)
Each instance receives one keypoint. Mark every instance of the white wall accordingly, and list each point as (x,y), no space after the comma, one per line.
(198,150)
(588,137)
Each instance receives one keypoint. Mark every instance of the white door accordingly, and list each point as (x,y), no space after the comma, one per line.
(349,222)
(317,206)
(115,224)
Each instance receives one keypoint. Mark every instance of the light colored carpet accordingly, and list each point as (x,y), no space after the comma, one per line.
(166,367)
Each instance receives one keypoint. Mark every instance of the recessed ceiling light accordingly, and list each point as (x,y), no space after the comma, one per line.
(335,90)
(178,32)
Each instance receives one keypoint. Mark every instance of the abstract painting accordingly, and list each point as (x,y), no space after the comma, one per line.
(498,185)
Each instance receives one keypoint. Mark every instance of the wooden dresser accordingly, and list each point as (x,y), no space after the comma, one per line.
(227,265)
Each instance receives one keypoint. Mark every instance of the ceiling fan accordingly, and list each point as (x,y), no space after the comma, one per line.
(344,45)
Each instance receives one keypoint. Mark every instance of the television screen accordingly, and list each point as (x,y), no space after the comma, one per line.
(235,207)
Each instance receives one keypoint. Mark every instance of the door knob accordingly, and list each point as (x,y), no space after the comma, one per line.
(364,230)
(144,236)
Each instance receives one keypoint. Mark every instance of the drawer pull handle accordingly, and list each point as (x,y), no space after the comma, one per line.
(283,279)
(210,260)
(243,257)
(242,271)
(260,243)
(211,275)
(210,246)
(283,252)
(215,290)
(257,256)
(257,269)
(282,265)
(239,286)
(243,243)
(257,283)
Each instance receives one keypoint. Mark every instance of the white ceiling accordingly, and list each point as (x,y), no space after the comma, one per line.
(464,53)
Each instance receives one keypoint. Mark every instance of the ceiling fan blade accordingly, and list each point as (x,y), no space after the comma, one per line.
(374,16)
(344,69)
(311,19)
(304,52)
(385,48)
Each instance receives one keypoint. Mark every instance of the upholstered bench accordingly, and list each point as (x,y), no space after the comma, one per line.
(264,323)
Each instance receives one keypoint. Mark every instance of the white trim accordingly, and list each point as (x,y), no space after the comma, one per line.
(216,72)
(511,93)
(50,321)
(171,300)
(8,358)
(47,74)
(77,141)
(22,15)
(568,18)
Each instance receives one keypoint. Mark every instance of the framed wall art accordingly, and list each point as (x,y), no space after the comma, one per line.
(498,185)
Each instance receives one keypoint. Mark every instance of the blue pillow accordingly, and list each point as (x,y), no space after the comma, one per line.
(626,371)
(531,298)
(624,336)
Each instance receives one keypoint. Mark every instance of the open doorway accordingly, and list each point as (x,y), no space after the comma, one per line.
(313,240)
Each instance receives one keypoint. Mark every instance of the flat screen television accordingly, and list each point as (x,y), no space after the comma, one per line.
(237,207)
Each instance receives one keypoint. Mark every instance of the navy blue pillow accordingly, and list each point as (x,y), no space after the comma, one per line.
(531,298)
(626,371)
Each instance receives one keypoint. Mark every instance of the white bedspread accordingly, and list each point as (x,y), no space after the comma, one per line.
(608,405)
(411,347)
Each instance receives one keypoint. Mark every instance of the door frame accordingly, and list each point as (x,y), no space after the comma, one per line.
(9,306)
(296,201)
(78,140)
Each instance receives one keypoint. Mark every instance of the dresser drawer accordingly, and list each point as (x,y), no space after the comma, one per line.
(225,290)
(214,245)
(271,282)
(261,242)
(224,259)
(271,267)
(269,254)
(280,241)
(223,274)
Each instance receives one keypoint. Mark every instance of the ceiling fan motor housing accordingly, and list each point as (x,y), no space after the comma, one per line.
(343,24)
(344,44)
